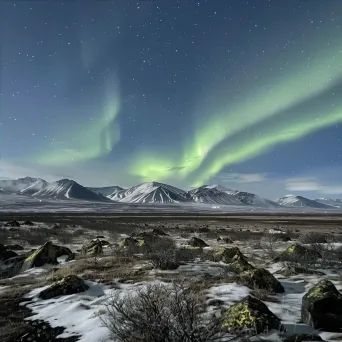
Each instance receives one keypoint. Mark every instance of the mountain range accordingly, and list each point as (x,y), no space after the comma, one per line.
(155,193)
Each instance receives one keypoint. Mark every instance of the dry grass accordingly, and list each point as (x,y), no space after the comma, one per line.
(313,238)
(262,294)
(13,330)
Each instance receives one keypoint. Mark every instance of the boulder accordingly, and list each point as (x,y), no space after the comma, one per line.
(197,242)
(13,223)
(322,307)
(234,258)
(303,338)
(262,279)
(61,250)
(250,315)
(158,231)
(28,223)
(46,254)
(94,248)
(66,286)
(228,255)
(129,242)
(298,252)
(5,253)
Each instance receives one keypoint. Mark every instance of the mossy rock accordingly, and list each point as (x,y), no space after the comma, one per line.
(228,255)
(46,254)
(322,307)
(250,316)
(262,279)
(298,252)
(234,258)
(68,285)
(94,248)
(129,242)
(240,265)
(303,338)
(197,242)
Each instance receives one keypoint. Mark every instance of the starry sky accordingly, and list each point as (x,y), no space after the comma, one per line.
(247,94)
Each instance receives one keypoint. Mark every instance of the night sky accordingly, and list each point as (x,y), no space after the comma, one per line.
(247,94)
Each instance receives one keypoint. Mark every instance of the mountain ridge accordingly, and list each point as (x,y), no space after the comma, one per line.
(301,202)
(155,193)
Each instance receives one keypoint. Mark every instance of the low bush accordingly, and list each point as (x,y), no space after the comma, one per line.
(160,312)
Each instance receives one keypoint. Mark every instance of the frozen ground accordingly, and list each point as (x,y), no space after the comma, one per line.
(81,313)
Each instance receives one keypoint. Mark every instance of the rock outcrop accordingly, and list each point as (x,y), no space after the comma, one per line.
(68,285)
(297,253)
(322,307)
(94,248)
(250,316)
(46,254)
(197,242)
(234,258)
(262,279)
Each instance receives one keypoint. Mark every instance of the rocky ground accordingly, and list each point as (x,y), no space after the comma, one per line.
(75,277)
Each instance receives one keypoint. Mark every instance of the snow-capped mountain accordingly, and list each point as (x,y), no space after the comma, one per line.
(214,195)
(26,185)
(337,203)
(153,192)
(69,189)
(252,199)
(106,190)
(216,186)
(301,202)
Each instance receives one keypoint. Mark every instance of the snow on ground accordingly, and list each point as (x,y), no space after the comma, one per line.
(78,313)
(228,293)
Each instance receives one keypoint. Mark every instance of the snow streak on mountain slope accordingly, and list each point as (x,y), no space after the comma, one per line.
(66,188)
(26,185)
(217,187)
(252,199)
(337,203)
(299,201)
(106,190)
(153,192)
(211,194)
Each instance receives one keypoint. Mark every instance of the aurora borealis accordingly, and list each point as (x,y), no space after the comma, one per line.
(182,92)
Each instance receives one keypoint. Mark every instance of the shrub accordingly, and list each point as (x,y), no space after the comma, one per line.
(161,253)
(312,237)
(160,312)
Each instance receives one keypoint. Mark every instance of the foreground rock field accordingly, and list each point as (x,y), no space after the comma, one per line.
(90,278)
